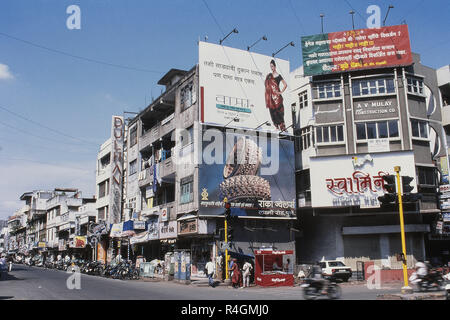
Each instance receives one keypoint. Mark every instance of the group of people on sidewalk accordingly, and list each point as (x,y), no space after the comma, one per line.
(240,278)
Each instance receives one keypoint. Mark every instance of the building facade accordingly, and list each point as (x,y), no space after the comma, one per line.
(366,122)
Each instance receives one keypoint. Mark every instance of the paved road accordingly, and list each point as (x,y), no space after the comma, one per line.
(32,283)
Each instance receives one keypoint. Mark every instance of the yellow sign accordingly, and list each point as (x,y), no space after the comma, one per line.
(41,245)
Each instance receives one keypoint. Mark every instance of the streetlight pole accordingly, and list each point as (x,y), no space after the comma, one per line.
(406,288)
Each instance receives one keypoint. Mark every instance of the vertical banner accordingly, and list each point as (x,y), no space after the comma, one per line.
(117,134)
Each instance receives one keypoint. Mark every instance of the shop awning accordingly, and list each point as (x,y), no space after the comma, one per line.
(238,255)
(140,238)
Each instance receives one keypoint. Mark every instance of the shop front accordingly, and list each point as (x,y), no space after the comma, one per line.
(196,236)
(274,268)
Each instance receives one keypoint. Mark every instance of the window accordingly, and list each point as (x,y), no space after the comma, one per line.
(102,213)
(377,130)
(187,136)
(187,189)
(415,85)
(133,136)
(372,86)
(327,134)
(187,96)
(303,99)
(104,161)
(103,189)
(419,129)
(427,175)
(133,167)
(306,138)
(327,90)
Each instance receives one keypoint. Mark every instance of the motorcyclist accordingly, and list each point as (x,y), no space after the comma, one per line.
(421,269)
(317,276)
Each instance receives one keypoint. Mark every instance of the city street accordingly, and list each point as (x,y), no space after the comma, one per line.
(32,283)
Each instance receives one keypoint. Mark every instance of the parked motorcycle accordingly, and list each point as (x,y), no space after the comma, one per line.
(313,289)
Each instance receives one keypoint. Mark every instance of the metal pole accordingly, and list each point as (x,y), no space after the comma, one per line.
(406,288)
(226,251)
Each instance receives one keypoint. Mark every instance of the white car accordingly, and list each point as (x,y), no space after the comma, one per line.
(335,269)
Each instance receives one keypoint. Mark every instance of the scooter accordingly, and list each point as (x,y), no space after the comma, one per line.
(313,290)
(447,286)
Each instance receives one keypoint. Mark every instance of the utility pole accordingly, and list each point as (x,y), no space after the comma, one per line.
(227,216)
(406,288)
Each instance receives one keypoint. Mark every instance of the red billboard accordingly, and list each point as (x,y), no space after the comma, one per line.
(356,50)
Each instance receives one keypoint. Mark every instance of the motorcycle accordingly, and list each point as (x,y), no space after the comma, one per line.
(433,280)
(447,286)
(312,289)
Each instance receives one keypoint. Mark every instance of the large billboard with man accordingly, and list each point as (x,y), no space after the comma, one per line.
(243,89)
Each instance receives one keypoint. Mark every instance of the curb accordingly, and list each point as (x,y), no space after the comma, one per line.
(413,296)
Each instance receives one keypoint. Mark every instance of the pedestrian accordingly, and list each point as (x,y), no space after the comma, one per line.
(236,278)
(210,272)
(247,268)
(287,266)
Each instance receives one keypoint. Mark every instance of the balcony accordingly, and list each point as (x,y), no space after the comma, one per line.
(145,177)
(162,128)
(167,170)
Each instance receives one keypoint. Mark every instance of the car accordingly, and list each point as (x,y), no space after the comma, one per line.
(335,269)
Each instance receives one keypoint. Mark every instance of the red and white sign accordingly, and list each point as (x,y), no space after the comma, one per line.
(343,181)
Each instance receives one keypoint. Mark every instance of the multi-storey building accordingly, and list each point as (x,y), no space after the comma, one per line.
(17,225)
(179,194)
(35,202)
(353,127)
(67,216)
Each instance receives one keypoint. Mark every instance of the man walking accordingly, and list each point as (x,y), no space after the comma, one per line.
(247,268)
(210,271)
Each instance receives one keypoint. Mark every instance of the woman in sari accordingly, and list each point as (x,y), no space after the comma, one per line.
(274,98)
(236,278)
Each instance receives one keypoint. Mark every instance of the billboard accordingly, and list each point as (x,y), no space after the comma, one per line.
(256,175)
(343,181)
(356,50)
(246,86)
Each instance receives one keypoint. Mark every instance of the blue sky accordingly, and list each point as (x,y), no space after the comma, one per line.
(40,89)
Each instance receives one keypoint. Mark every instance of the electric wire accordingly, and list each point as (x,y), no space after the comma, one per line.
(78,56)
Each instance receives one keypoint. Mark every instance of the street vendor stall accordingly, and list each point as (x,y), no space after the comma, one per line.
(274,268)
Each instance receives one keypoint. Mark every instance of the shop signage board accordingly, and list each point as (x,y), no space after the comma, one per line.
(356,50)
(446,216)
(116,230)
(342,181)
(115,201)
(255,174)
(233,85)
(187,227)
(139,225)
(168,230)
(378,145)
(164,216)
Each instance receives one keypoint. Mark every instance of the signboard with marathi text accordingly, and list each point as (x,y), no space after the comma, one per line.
(356,50)
(240,88)
(344,181)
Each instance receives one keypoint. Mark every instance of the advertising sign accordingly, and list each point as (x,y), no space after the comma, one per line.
(256,175)
(80,242)
(342,181)
(153,228)
(139,225)
(116,230)
(356,50)
(246,86)
(117,133)
(168,230)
